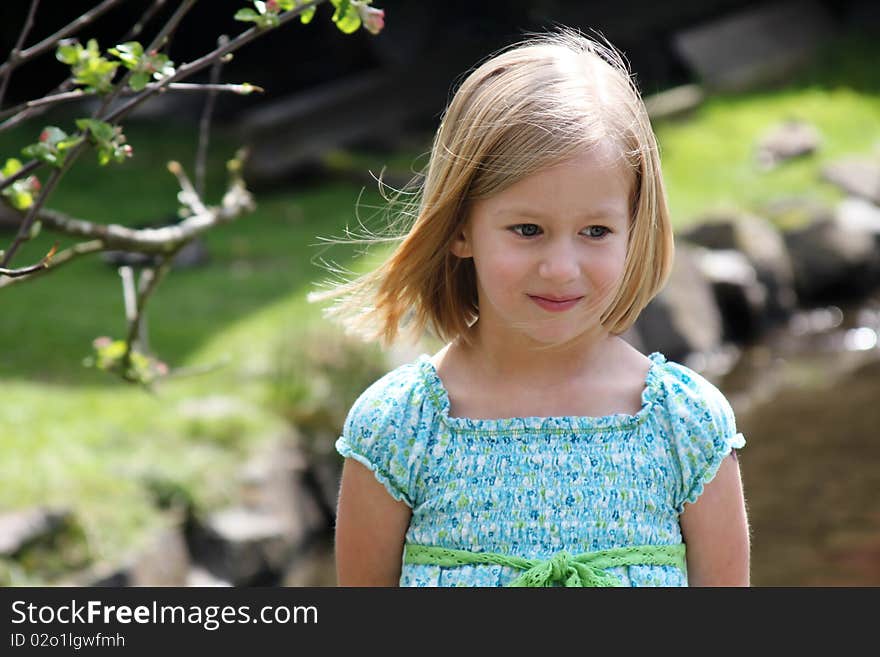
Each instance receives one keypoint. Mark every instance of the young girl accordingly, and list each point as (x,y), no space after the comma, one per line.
(537,448)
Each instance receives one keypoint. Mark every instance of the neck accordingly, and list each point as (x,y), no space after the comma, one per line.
(514,358)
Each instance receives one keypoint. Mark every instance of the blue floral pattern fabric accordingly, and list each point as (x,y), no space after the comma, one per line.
(534,486)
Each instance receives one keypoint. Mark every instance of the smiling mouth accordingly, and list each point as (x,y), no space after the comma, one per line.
(555,305)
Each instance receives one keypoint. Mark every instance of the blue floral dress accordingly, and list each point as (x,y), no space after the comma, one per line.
(534,486)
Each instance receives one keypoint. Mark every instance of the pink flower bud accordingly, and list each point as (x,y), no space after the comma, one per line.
(161,368)
(272,6)
(103,341)
(35,183)
(44,136)
(373,19)
(128,150)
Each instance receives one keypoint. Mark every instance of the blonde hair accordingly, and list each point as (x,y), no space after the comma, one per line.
(529,107)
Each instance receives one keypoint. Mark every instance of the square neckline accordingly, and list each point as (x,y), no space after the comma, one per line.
(651,393)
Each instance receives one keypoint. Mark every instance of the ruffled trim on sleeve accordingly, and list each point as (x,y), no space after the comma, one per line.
(345,449)
(722,450)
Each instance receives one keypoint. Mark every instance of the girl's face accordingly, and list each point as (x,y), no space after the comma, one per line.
(549,251)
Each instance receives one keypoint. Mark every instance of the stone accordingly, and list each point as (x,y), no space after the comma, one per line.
(856,176)
(21,528)
(741,297)
(764,248)
(836,259)
(684,317)
(754,46)
(786,141)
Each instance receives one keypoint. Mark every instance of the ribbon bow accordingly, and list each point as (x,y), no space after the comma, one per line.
(587,569)
(569,570)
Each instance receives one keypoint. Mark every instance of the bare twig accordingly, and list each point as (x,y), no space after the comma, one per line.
(59,259)
(78,94)
(152,282)
(24,271)
(70,28)
(16,51)
(139,26)
(205,122)
(188,194)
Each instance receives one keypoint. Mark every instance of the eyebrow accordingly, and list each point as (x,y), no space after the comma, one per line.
(531,213)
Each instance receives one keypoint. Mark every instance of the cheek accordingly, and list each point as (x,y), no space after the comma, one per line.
(497,270)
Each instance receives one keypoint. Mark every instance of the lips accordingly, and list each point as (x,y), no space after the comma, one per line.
(555,304)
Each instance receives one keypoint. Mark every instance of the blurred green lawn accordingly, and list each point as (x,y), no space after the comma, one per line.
(75,437)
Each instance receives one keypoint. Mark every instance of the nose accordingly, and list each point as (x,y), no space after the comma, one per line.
(559,264)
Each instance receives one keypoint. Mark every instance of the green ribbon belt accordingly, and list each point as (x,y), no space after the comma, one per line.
(586,569)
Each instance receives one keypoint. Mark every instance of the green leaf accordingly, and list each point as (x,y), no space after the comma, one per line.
(346,17)
(138,81)
(307,16)
(130,53)
(247,15)
(68,53)
(35,229)
(67,144)
(99,129)
(21,199)
(11,167)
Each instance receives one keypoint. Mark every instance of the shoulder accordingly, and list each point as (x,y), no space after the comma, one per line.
(689,394)
(397,398)
(699,426)
(388,430)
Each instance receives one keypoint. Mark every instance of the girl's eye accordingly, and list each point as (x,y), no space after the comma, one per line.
(597,232)
(526,230)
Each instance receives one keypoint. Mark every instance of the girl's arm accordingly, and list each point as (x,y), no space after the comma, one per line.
(716,531)
(370,530)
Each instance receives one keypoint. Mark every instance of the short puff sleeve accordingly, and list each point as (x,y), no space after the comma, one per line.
(382,431)
(703,432)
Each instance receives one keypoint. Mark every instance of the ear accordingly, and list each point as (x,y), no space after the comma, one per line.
(461,246)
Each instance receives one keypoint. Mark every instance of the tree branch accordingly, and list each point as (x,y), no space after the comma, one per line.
(155,44)
(78,94)
(50,41)
(206,60)
(16,51)
(139,26)
(205,121)
(59,259)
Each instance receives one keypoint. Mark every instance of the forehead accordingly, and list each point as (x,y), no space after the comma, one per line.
(590,185)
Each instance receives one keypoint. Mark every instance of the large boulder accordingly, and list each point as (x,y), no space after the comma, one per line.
(838,258)
(684,318)
(755,293)
(856,176)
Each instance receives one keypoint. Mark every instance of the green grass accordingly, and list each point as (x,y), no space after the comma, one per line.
(709,158)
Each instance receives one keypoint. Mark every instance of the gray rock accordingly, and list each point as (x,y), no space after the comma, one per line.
(836,259)
(791,139)
(19,529)
(242,546)
(684,317)
(756,45)
(859,177)
(162,561)
(741,297)
(764,247)
(674,102)
(280,511)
